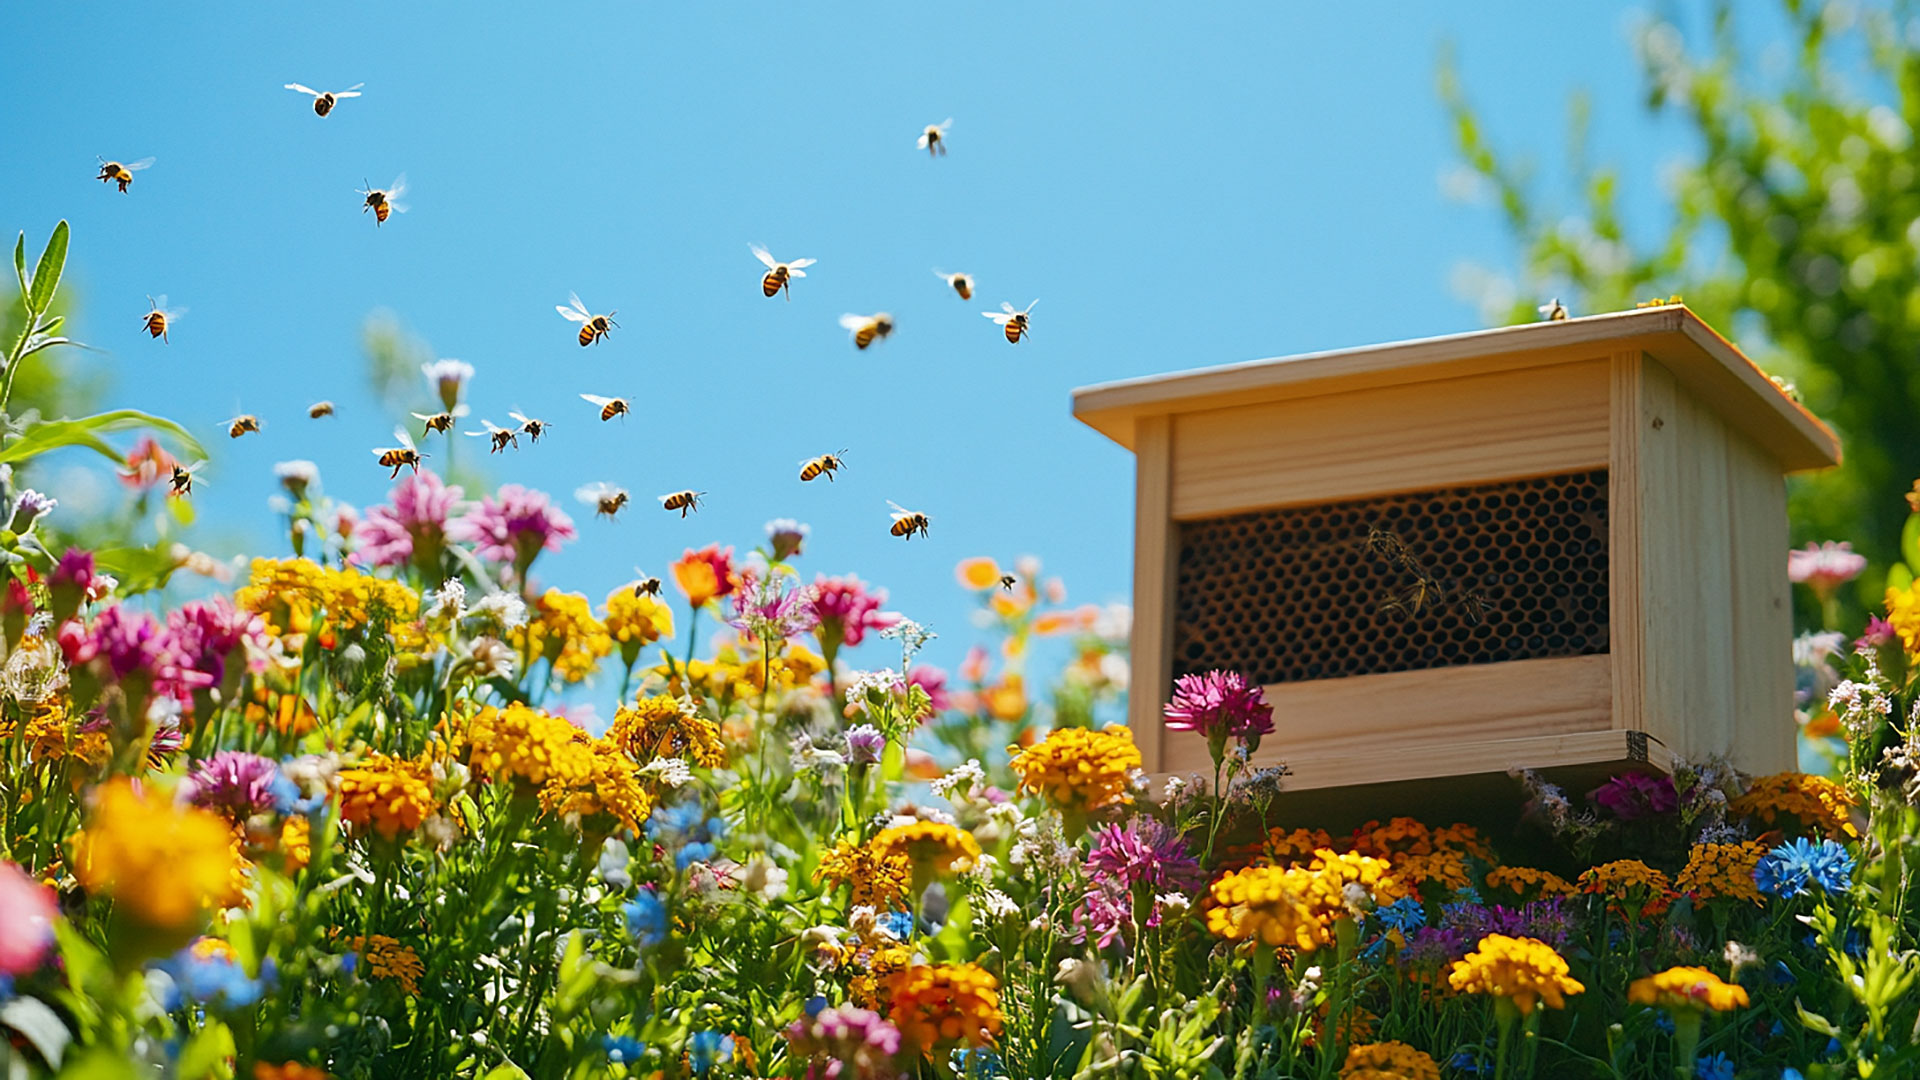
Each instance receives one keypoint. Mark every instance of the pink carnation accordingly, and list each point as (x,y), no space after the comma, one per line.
(1219,702)
(1824,567)
(513,526)
(846,609)
(417,521)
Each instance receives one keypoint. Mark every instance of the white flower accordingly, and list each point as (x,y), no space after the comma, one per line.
(1740,956)
(886,682)
(441,830)
(808,756)
(763,878)
(971,772)
(1173,904)
(996,905)
(864,921)
(493,658)
(669,771)
(296,476)
(1357,899)
(502,609)
(822,938)
(448,601)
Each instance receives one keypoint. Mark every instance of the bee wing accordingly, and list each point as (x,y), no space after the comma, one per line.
(796,264)
(581,311)
(761,254)
(855,322)
(398,189)
(921,142)
(571,315)
(159,302)
(143,163)
(1029,307)
(596,399)
(943,275)
(173,314)
(591,493)
(478,434)
(461,409)
(351,91)
(898,510)
(517,415)
(943,126)
(422,416)
(999,316)
(1008,308)
(307,90)
(406,440)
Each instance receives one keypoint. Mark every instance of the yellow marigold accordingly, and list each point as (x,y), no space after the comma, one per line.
(1814,802)
(1722,870)
(1296,906)
(792,666)
(1079,769)
(1284,846)
(389,794)
(1687,988)
(636,620)
(1528,883)
(528,747)
(51,735)
(1525,971)
(289,1070)
(1401,836)
(661,727)
(608,797)
(1388,1061)
(564,632)
(279,588)
(877,880)
(944,1005)
(869,988)
(1462,838)
(1446,868)
(1903,613)
(387,958)
(168,866)
(1630,885)
(931,844)
(296,843)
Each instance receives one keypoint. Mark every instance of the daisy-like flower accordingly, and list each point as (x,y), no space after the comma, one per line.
(1523,971)
(447,378)
(413,528)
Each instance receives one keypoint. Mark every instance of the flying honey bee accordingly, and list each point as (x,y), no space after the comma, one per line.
(116,173)
(907,522)
(319,409)
(383,203)
(867,328)
(324,100)
(531,428)
(402,456)
(960,283)
(181,482)
(933,137)
(606,499)
(610,407)
(684,501)
(1008,581)
(824,465)
(1553,310)
(441,422)
(500,436)
(1016,323)
(645,586)
(779,275)
(592,327)
(242,424)
(160,318)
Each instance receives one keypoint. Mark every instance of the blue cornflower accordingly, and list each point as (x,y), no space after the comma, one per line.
(204,975)
(1791,1073)
(288,798)
(623,1049)
(978,1064)
(897,923)
(675,819)
(1406,915)
(705,1049)
(1793,869)
(698,851)
(1716,1067)
(1664,1023)
(646,919)
(815,1005)
(1471,1062)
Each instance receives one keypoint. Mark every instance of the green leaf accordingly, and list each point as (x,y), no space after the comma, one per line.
(50,324)
(1899,577)
(102,1064)
(138,568)
(507,1071)
(46,276)
(1815,1022)
(38,438)
(39,1025)
(20,264)
(1910,542)
(43,341)
(206,1054)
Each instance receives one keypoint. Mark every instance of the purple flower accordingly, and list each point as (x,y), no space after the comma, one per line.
(513,527)
(124,642)
(204,636)
(768,610)
(847,1043)
(30,507)
(1220,704)
(934,682)
(234,782)
(1632,796)
(784,537)
(1143,852)
(865,745)
(1879,632)
(1433,947)
(416,522)
(846,609)
(1102,916)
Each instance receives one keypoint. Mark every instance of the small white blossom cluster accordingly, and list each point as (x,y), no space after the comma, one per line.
(808,757)
(503,610)
(1042,852)
(671,772)
(1862,706)
(971,775)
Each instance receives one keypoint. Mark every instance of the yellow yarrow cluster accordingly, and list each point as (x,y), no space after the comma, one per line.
(877,879)
(564,632)
(1693,988)
(1630,885)
(1079,769)
(1388,1061)
(1722,870)
(1445,868)
(387,794)
(1528,883)
(661,727)
(387,958)
(607,796)
(287,591)
(637,620)
(930,844)
(944,1005)
(1814,801)
(1296,906)
(520,744)
(168,866)
(1903,614)
(1525,971)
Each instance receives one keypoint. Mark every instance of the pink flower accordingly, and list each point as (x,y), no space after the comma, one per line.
(1824,567)
(934,682)
(1101,916)
(847,610)
(1631,796)
(416,522)
(1219,703)
(845,1042)
(1878,632)
(513,527)
(27,911)
(768,610)
(233,781)
(204,636)
(1144,852)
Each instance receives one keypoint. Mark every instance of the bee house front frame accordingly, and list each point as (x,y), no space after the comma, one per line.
(1603,503)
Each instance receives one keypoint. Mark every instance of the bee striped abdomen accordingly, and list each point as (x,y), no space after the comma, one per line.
(381,209)
(156,324)
(811,470)
(587,335)
(863,337)
(965,290)
(771,283)
(1016,327)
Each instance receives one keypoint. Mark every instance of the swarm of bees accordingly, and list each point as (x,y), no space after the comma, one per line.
(324,100)
(112,172)
(1427,591)
(160,317)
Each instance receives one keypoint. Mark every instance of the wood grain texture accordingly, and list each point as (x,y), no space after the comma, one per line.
(1764,733)
(1502,426)
(1155,547)
(1391,763)
(1624,515)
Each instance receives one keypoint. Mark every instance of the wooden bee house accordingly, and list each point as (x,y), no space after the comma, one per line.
(1549,546)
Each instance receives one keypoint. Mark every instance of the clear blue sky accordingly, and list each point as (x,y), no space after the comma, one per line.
(1178,189)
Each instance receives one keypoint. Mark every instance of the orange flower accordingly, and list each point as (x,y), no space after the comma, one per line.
(1007,700)
(705,575)
(290,1070)
(979,572)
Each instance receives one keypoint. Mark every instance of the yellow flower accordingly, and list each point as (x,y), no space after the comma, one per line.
(930,844)
(1630,886)
(936,1005)
(869,988)
(168,866)
(1462,838)
(1903,614)
(1296,906)
(389,794)
(528,747)
(1446,868)
(979,572)
(1815,802)
(1524,970)
(1284,847)
(287,591)
(636,620)
(877,880)
(607,797)
(1687,988)
(296,843)
(661,727)
(1388,1061)
(1079,769)
(50,735)
(564,632)
(1528,883)
(1722,870)
(386,958)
